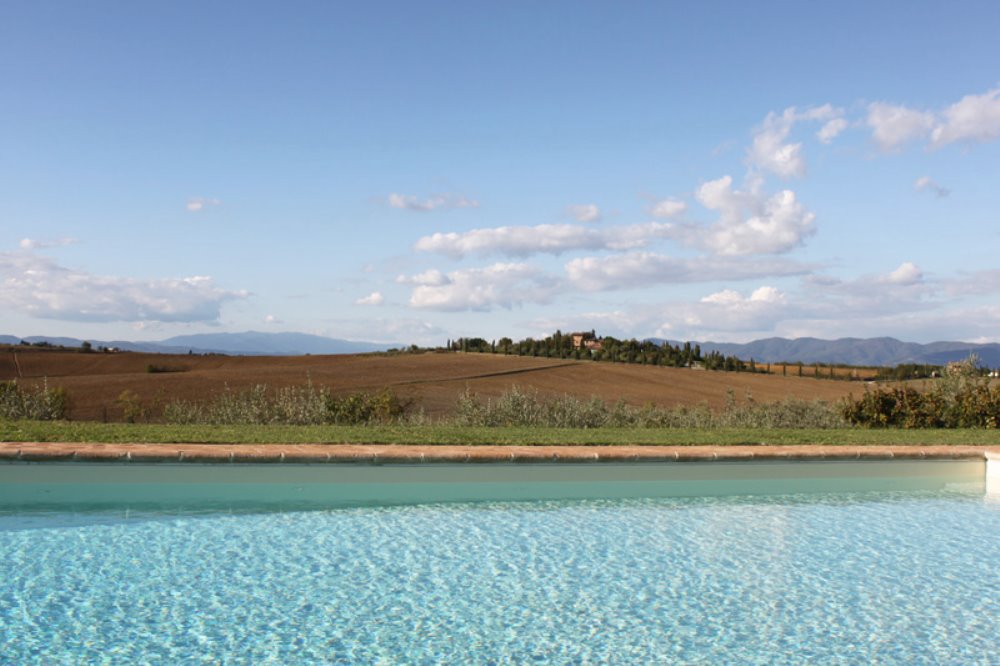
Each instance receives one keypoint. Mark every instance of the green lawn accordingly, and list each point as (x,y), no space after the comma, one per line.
(67,431)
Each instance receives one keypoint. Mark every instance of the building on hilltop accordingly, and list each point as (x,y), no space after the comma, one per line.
(587,341)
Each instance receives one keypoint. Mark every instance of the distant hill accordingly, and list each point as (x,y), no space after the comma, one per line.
(250,343)
(849,351)
(855,351)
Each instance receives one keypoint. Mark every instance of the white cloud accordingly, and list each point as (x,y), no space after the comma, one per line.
(770,152)
(725,314)
(731,298)
(499,285)
(374,298)
(444,201)
(642,269)
(585,212)
(431,278)
(908,273)
(39,287)
(770,149)
(37,244)
(749,223)
(926,183)
(667,208)
(831,129)
(271,319)
(544,238)
(892,126)
(197,204)
(972,118)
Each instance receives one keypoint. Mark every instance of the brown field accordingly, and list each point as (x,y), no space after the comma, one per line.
(432,381)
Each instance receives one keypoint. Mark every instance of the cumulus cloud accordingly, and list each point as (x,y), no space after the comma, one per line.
(442,201)
(585,212)
(544,238)
(667,208)
(751,223)
(38,244)
(892,126)
(831,129)
(39,287)
(374,298)
(197,204)
(927,184)
(643,269)
(974,118)
(431,277)
(503,285)
(724,315)
(271,319)
(908,273)
(729,297)
(771,150)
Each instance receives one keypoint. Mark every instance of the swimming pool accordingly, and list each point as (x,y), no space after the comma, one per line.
(267,570)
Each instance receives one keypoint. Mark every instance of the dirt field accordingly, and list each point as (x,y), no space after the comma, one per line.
(432,381)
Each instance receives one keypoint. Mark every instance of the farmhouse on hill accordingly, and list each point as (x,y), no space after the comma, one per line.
(586,341)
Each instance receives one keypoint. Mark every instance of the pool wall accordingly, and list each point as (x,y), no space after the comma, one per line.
(25,484)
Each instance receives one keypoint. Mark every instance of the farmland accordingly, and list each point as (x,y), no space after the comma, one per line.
(429,381)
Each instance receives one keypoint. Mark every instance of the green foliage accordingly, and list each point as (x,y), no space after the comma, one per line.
(524,408)
(131,405)
(290,405)
(153,368)
(906,371)
(40,403)
(962,398)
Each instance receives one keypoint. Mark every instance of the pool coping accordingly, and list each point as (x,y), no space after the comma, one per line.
(413,454)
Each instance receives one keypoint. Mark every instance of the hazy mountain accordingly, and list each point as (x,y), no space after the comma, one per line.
(851,351)
(255,342)
(250,343)
(855,351)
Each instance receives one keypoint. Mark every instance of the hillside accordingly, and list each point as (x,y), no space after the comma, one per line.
(432,381)
(869,352)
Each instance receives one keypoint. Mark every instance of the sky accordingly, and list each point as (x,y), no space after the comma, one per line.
(409,172)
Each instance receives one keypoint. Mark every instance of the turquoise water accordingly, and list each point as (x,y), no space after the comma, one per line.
(897,577)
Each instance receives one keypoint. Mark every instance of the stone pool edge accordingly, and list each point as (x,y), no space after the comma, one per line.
(411,454)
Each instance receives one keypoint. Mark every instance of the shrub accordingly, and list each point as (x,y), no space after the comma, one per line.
(962,398)
(40,403)
(131,406)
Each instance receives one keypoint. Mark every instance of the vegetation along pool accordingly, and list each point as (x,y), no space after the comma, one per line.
(780,562)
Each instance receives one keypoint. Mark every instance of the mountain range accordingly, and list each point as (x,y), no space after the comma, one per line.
(873,352)
(849,351)
(250,343)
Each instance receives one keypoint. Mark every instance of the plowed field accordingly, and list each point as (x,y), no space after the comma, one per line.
(432,381)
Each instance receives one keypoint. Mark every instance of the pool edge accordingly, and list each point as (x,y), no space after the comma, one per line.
(410,454)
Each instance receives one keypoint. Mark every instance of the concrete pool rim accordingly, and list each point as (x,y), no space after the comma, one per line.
(373,454)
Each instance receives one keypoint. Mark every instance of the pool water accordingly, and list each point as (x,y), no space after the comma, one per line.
(896,577)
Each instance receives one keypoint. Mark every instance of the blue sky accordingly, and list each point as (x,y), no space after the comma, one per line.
(411,172)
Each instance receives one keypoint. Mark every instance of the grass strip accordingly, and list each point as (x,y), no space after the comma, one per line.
(74,431)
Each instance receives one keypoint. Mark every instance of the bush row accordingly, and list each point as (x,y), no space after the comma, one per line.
(292,405)
(519,407)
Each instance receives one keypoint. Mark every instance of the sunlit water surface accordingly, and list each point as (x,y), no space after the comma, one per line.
(898,577)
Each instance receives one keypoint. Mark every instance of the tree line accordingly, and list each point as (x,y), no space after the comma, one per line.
(608,350)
